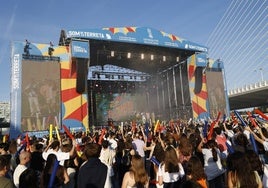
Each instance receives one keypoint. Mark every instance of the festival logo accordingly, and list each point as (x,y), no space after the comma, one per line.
(80,49)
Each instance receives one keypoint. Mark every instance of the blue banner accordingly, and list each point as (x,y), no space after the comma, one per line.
(80,49)
(138,35)
(16,73)
(201,59)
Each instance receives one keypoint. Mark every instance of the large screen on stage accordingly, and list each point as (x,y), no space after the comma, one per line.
(119,107)
(216,97)
(40,95)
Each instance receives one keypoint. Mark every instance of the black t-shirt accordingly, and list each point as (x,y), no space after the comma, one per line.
(37,161)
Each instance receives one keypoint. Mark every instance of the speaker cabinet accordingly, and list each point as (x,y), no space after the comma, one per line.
(198,80)
(81,72)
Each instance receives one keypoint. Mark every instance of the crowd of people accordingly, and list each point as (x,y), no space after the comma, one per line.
(214,154)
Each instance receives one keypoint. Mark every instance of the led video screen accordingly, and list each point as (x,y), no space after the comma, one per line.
(40,95)
(119,106)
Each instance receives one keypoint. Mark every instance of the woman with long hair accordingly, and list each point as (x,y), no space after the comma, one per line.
(136,176)
(212,163)
(170,170)
(61,176)
(157,153)
(255,162)
(195,171)
(241,173)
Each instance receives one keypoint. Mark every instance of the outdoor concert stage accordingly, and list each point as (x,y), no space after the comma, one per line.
(119,73)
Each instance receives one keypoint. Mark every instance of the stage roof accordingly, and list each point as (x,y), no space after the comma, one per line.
(138,48)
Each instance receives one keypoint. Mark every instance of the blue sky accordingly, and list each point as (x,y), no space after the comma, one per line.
(41,21)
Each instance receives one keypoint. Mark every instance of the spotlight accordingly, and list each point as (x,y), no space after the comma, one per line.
(152,57)
(164,58)
(177,59)
(142,56)
(112,53)
(128,55)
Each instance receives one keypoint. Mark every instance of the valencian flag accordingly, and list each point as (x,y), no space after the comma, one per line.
(157,126)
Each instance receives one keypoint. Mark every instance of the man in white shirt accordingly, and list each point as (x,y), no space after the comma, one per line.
(25,158)
(107,156)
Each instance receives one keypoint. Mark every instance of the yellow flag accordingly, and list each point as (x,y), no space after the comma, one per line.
(156,126)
